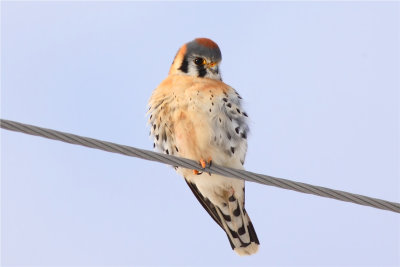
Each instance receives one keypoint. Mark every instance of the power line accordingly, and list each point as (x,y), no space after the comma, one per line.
(190,164)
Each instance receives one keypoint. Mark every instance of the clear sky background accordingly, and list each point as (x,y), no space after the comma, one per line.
(320,83)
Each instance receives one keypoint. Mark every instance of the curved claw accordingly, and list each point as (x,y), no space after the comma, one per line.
(203,164)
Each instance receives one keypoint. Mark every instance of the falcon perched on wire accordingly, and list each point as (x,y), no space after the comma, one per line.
(194,115)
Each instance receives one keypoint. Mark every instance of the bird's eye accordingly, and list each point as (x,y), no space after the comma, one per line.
(199,61)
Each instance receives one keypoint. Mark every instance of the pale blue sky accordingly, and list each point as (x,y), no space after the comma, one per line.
(321,86)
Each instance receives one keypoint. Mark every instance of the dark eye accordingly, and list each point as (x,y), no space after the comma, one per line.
(199,61)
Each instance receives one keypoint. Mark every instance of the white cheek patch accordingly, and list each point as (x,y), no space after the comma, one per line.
(213,75)
(192,71)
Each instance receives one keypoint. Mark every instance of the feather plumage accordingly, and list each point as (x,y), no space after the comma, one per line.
(200,118)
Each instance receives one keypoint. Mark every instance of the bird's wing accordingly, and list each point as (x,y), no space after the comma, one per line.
(206,203)
(209,207)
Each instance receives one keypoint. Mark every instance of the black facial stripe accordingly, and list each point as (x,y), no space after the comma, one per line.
(184,66)
(201,70)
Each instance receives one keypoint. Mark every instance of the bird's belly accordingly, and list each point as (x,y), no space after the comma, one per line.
(193,136)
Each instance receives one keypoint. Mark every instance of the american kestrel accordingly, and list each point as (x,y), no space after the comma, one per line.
(193,114)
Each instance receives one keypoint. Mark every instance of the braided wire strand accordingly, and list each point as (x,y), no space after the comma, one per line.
(190,164)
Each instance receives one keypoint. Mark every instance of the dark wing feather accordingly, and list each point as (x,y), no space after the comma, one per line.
(208,206)
(206,203)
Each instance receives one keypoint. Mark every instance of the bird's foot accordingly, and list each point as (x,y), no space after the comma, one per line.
(203,164)
(196,172)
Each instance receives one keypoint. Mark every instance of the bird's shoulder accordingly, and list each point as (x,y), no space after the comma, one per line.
(184,84)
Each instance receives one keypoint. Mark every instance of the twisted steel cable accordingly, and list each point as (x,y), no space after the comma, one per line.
(190,164)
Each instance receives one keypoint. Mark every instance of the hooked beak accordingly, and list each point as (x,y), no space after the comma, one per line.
(211,65)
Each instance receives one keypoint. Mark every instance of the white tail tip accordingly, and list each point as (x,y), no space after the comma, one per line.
(246,251)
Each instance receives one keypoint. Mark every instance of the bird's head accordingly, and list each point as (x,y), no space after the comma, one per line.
(199,58)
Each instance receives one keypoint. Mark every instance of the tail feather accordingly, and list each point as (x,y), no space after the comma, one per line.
(233,219)
(239,229)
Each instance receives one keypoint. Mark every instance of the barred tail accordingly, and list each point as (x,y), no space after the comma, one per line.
(233,219)
(238,227)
